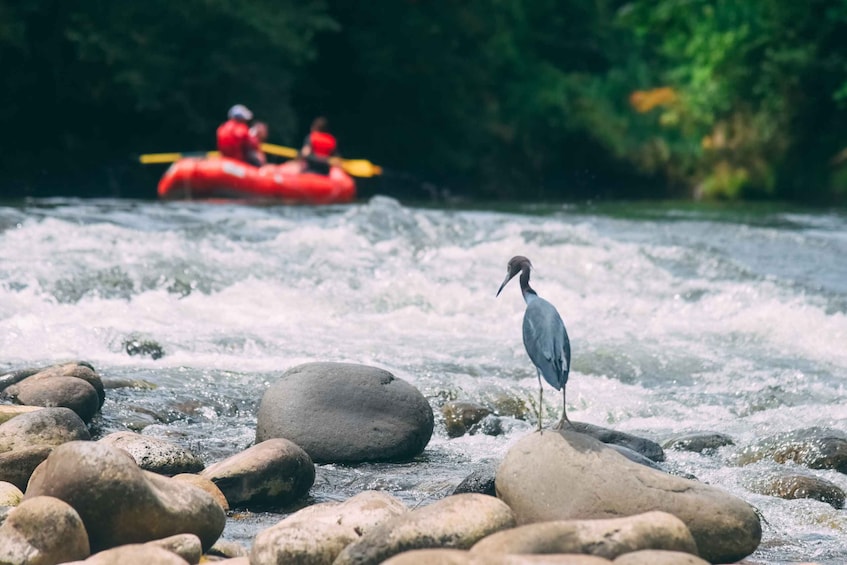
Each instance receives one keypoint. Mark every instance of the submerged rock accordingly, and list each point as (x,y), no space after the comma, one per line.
(346,413)
(794,486)
(816,448)
(698,442)
(566,476)
(459,417)
(480,481)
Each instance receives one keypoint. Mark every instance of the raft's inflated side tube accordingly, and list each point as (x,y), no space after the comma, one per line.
(193,178)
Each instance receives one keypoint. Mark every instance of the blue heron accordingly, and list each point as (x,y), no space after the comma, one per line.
(544,337)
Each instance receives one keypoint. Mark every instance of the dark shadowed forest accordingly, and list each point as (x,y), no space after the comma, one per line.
(497,99)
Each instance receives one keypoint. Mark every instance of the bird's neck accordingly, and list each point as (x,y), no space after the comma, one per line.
(528,294)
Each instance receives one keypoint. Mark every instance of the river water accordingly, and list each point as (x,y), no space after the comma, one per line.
(681,319)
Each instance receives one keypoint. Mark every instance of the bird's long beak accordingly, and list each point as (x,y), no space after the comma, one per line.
(506,280)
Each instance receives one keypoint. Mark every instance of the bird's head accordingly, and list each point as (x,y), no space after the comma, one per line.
(516,264)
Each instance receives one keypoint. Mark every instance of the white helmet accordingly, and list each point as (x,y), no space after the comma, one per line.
(240,112)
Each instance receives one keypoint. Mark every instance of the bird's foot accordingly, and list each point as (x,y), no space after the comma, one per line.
(563,425)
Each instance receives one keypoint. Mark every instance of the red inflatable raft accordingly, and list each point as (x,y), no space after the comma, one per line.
(220,177)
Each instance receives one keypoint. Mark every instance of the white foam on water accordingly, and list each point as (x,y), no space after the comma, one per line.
(671,331)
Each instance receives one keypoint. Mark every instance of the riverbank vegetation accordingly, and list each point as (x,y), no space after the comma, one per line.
(547,99)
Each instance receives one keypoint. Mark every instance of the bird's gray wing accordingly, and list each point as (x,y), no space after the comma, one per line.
(546,342)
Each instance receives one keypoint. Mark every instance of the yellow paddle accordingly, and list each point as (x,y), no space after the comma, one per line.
(355,167)
(157,158)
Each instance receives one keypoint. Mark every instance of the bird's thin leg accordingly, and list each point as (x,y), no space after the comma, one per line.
(564,422)
(540,401)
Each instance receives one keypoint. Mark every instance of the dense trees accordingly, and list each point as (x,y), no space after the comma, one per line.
(498,98)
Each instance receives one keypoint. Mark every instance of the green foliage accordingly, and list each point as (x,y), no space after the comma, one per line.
(509,98)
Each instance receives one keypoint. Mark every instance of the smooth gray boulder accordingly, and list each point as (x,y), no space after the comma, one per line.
(567,476)
(608,538)
(454,522)
(42,530)
(346,413)
(154,454)
(119,502)
(273,473)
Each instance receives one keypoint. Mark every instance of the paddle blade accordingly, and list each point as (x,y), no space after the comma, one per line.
(279,150)
(360,168)
(155,158)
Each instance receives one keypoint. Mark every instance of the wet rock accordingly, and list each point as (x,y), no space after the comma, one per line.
(317,534)
(795,486)
(273,473)
(455,522)
(16,466)
(659,557)
(134,554)
(346,413)
(119,502)
(566,476)
(460,416)
(205,484)
(480,481)
(10,495)
(15,376)
(505,403)
(604,538)
(154,454)
(634,456)
(816,448)
(9,411)
(459,557)
(491,425)
(118,382)
(144,347)
(649,449)
(42,530)
(698,442)
(45,427)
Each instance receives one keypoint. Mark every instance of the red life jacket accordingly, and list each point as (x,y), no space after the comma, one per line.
(234,139)
(322,143)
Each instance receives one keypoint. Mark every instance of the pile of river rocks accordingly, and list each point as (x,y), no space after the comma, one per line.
(583,496)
